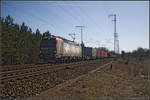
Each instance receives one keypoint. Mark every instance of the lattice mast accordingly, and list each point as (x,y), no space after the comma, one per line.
(116,40)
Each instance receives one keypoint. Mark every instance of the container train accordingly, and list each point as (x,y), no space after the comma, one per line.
(58,49)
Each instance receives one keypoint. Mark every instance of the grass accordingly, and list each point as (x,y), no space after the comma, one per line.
(120,82)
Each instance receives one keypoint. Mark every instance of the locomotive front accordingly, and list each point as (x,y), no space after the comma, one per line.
(48,49)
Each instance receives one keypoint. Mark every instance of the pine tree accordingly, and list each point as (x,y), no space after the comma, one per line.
(19,45)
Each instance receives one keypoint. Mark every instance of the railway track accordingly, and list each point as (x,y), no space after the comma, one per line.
(26,83)
(19,67)
(26,66)
(36,71)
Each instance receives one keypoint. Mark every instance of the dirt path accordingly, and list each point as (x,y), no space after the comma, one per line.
(100,83)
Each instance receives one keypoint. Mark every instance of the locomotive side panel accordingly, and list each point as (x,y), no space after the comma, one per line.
(65,50)
(77,51)
(70,50)
(59,50)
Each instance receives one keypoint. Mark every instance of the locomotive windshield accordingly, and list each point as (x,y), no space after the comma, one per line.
(47,46)
(47,42)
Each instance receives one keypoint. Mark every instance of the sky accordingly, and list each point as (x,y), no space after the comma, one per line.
(61,17)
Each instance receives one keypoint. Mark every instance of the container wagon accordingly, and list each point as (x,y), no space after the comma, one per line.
(101,53)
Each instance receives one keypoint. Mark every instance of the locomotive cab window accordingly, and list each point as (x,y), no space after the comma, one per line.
(47,42)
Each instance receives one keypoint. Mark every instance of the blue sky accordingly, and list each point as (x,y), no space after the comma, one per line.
(61,17)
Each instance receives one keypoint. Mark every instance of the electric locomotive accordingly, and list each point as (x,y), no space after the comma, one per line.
(58,49)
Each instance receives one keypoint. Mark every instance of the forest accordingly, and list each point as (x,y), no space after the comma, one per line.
(139,53)
(19,45)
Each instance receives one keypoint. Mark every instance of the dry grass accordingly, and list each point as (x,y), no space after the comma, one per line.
(134,67)
(120,82)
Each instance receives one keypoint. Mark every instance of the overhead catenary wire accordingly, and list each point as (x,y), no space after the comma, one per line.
(29,5)
(70,12)
(44,21)
(61,6)
(95,24)
(87,16)
(91,19)
(56,14)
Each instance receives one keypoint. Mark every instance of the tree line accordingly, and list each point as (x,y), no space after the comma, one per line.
(139,53)
(19,45)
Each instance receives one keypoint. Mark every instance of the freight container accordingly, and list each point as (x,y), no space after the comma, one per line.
(87,53)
